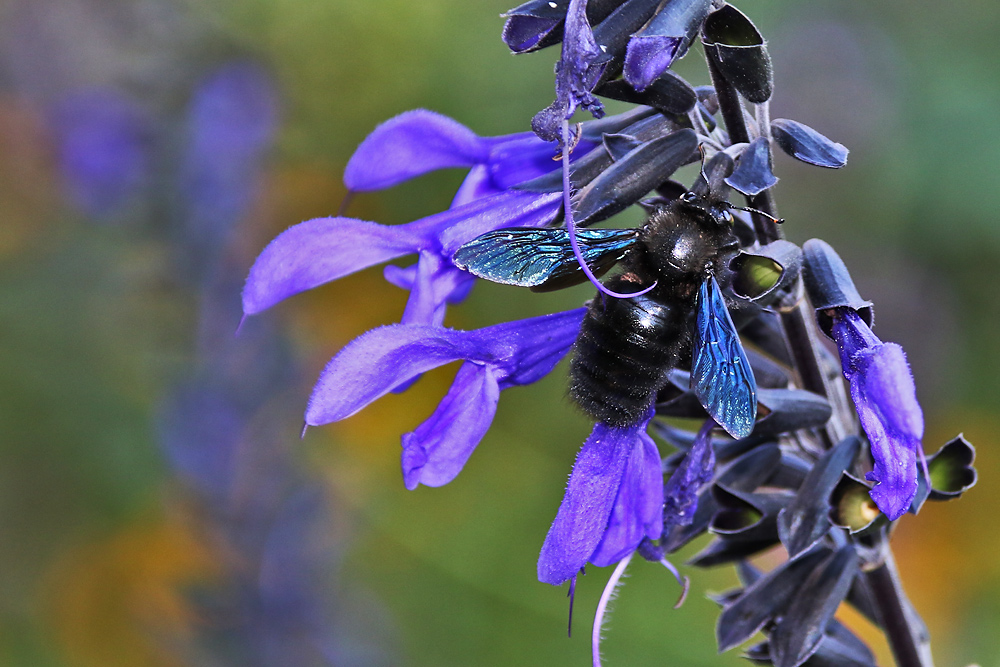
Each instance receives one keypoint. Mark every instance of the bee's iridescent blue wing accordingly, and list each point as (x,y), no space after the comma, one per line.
(542,259)
(721,376)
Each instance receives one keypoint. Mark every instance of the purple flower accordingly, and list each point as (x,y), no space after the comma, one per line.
(886,400)
(421,141)
(577,72)
(667,36)
(613,500)
(496,357)
(318,251)
(649,56)
(697,469)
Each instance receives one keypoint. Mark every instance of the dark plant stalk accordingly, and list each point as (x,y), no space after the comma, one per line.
(797,320)
(903,627)
(904,630)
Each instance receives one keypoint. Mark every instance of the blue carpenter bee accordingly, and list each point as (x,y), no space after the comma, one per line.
(626,347)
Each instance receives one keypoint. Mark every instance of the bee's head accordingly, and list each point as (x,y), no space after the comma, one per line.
(707,207)
(708,198)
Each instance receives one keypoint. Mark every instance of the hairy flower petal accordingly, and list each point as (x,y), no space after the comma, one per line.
(612,501)
(372,365)
(886,400)
(436,451)
(638,509)
(411,144)
(317,251)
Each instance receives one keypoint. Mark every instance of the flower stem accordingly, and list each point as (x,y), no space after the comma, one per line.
(905,631)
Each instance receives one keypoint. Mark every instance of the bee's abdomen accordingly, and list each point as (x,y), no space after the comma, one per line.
(623,353)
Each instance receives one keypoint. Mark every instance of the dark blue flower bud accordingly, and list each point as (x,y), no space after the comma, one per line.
(830,285)
(669,93)
(738,49)
(806,144)
(753,173)
(634,176)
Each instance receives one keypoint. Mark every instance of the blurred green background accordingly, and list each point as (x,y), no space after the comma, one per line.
(104,548)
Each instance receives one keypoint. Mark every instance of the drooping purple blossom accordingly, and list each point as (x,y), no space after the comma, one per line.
(613,500)
(886,400)
(697,469)
(495,358)
(577,72)
(317,251)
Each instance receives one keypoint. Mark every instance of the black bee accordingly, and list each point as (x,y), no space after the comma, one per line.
(627,347)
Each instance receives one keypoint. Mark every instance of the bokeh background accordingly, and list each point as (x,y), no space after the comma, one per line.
(156,504)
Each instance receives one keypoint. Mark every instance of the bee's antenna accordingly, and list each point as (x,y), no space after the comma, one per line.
(770,217)
(571,226)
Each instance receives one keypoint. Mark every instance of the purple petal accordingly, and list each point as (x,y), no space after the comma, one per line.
(586,507)
(377,362)
(373,364)
(647,57)
(425,305)
(411,144)
(318,251)
(402,277)
(524,157)
(638,510)
(513,208)
(434,283)
(886,399)
(535,346)
(437,450)
(697,469)
(514,159)
(477,184)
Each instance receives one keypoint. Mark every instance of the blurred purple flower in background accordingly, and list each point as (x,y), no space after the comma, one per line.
(273,528)
(104,139)
(229,125)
